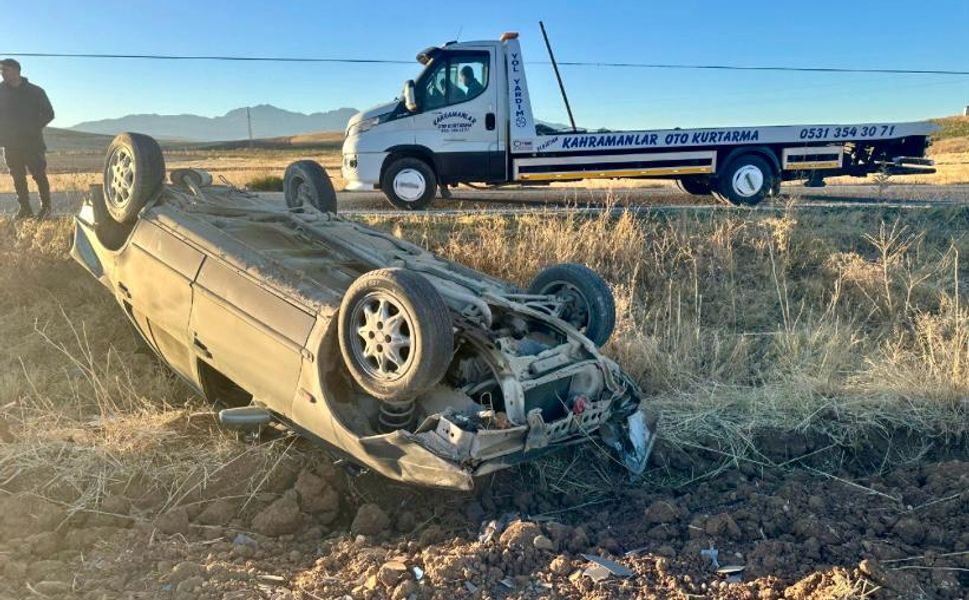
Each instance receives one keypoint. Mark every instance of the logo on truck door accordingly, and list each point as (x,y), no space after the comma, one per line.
(454,121)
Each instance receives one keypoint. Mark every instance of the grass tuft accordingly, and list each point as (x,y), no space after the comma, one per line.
(266,183)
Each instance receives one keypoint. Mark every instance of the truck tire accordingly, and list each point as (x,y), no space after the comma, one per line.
(409,184)
(589,305)
(696,186)
(747,180)
(134,170)
(306,182)
(395,334)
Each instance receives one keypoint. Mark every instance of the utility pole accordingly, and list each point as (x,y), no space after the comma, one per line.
(558,76)
(249,121)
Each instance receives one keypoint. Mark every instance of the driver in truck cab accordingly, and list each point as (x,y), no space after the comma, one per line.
(471,85)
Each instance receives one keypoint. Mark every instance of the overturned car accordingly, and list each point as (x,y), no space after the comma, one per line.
(410,365)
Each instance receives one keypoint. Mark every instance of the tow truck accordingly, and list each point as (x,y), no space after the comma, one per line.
(467,118)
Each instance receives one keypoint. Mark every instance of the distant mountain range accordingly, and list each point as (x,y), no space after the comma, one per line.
(267,122)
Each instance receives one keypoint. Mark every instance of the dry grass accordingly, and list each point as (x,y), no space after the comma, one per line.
(71,171)
(738,322)
(835,324)
(91,410)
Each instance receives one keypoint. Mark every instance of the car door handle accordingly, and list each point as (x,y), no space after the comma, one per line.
(201,348)
(124,290)
(490,121)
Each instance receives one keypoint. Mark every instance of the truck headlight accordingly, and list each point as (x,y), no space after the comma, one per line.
(361,126)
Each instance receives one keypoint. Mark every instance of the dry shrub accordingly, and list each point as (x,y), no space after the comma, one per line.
(735,321)
(91,410)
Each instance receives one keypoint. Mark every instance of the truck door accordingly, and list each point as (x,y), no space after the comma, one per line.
(458,102)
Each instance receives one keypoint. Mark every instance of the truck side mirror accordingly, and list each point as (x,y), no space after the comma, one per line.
(410,97)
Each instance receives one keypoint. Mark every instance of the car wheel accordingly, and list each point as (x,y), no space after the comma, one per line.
(697,186)
(395,334)
(588,303)
(198,177)
(305,182)
(409,184)
(747,180)
(134,171)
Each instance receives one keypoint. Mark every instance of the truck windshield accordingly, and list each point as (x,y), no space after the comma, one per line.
(452,78)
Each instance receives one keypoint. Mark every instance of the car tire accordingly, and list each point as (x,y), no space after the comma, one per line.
(418,338)
(590,306)
(747,180)
(409,184)
(696,186)
(306,182)
(134,170)
(199,177)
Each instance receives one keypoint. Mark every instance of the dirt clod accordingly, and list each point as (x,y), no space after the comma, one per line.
(173,521)
(219,512)
(279,518)
(661,511)
(910,530)
(542,542)
(316,496)
(370,520)
(391,572)
(520,534)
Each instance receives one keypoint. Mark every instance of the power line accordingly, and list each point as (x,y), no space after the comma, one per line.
(295,59)
(620,65)
(767,68)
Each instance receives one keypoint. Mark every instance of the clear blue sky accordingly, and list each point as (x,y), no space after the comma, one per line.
(883,34)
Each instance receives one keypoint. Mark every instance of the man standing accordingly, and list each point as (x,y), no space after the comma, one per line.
(24,112)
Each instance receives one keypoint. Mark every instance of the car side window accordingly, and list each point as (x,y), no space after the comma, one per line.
(454,79)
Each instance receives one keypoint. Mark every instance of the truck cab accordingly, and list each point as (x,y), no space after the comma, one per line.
(467,118)
(444,129)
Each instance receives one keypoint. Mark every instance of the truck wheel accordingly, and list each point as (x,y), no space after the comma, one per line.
(589,305)
(306,182)
(409,184)
(697,186)
(395,334)
(747,180)
(134,171)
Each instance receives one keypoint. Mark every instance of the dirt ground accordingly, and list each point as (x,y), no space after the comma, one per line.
(163,503)
(316,531)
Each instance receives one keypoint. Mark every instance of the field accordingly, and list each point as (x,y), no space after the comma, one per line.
(76,159)
(810,372)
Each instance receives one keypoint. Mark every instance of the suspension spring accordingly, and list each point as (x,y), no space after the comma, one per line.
(395,414)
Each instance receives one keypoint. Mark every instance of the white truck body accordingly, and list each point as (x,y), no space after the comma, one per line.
(487,133)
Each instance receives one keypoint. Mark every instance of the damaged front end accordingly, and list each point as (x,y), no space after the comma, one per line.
(525,386)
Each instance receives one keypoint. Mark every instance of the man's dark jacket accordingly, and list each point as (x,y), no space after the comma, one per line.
(24,112)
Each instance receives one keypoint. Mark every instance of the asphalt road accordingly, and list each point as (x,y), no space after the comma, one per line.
(516,200)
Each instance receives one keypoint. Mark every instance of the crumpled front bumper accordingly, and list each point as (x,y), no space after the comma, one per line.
(441,454)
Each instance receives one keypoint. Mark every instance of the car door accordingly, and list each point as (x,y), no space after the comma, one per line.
(249,332)
(458,104)
(154,275)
